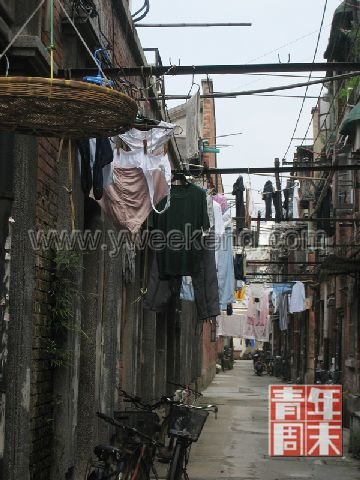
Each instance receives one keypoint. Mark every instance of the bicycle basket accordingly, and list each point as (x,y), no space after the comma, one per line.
(145,422)
(186,422)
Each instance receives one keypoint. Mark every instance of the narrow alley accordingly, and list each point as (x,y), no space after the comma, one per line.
(235,445)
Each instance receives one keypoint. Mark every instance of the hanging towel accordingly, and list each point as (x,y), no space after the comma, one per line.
(298,298)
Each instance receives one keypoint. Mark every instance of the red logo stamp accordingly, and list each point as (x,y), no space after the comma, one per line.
(305,420)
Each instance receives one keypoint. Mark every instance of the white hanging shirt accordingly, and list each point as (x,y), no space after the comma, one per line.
(297,299)
(218,219)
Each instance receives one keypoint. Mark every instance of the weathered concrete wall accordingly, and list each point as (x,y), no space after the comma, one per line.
(17,413)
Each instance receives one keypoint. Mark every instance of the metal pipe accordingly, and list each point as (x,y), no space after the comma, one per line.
(181,25)
(256,170)
(159,70)
(345,220)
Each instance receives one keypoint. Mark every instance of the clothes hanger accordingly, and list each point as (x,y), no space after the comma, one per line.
(179,177)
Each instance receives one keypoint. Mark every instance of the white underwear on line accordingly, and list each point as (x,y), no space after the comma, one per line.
(155,137)
(149,164)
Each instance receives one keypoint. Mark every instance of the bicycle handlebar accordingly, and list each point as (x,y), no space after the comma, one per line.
(146,406)
(133,430)
(185,387)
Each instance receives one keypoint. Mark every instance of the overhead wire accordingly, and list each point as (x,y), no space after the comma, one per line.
(334,95)
(282,46)
(307,87)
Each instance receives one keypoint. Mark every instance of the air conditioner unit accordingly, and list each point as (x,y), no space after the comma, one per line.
(305,213)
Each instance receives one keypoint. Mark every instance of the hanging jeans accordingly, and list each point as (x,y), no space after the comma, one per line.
(226,279)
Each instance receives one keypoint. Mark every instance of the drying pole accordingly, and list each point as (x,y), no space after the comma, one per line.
(183,25)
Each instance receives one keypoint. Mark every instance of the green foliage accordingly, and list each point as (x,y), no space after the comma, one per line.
(63,294)
(350,86)
(64,290)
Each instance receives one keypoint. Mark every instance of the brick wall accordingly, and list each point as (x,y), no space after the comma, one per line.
(41,394)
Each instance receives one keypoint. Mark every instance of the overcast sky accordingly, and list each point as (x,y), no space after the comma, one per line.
(267,123)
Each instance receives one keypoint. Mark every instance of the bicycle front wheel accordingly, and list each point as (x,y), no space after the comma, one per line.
(177,463)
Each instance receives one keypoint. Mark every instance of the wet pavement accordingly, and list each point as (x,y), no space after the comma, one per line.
(235,446)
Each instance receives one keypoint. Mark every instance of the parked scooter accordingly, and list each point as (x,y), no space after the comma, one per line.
(259,364)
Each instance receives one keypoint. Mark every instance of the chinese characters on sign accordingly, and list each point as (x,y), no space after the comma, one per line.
(305,420)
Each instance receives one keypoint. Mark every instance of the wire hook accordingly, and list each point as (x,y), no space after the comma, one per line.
(288,61)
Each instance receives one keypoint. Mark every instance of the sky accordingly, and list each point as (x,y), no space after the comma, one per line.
(279,28)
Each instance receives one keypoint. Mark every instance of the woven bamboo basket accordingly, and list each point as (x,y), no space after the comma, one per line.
(63,108)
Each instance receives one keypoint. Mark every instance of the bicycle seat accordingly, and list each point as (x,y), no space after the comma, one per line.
(104,452)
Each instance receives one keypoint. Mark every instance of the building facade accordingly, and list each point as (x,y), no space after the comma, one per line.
(73,327)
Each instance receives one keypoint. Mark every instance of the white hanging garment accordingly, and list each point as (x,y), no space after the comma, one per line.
(155,137)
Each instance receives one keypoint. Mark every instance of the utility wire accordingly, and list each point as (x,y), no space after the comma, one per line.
(283,46)
(307,87)
(335,96)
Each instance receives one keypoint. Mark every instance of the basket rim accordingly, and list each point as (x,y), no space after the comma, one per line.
(64,83)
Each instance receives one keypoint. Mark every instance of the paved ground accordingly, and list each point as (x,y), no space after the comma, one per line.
(235,446)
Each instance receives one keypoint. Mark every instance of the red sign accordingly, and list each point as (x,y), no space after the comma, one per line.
(305,420)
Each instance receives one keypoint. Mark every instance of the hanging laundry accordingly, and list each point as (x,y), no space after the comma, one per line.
(222,201)
(238,191)
(187,215)
(296,198)
(240,267)
(283,311)
(155,137)
(267,197)
(126,201)
(210,208)
(139,182)
(192,109)
(286,200)
(325,211)
(95,155)
(205,281)
(152,166)
(218,220)
(225,265)
(230,326)
(277,290)
(297,299)
(187,289)
(278,206)
(248,209)
(160,292)
(252,312)
(264,308)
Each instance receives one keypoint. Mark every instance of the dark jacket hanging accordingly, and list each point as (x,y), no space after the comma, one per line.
(267,197)
(325,212)
(286,201)
(238,191)
(278,206)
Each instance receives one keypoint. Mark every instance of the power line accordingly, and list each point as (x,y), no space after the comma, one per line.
(283,46)
(273,89)
(307,87)
(336,93)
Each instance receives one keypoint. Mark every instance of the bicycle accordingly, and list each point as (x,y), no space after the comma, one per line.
(185,424)
(133,461)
